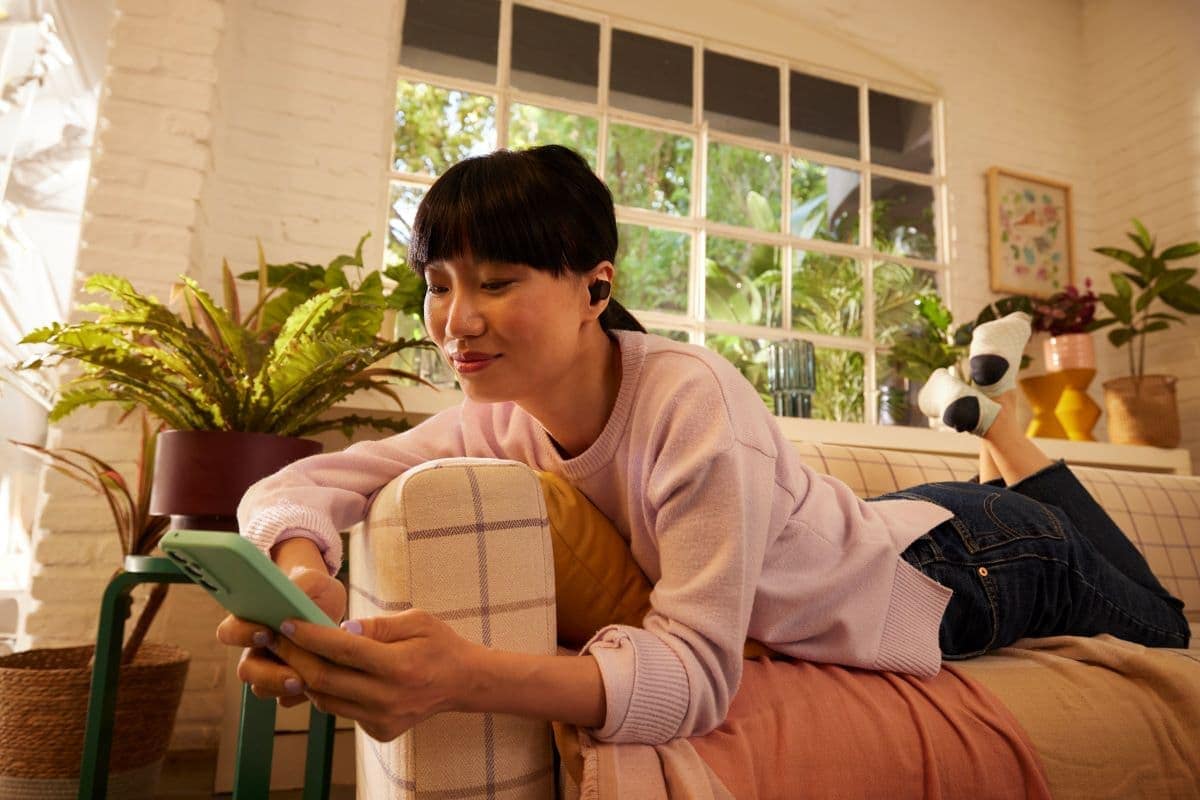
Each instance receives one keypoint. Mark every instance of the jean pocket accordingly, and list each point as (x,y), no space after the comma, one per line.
(1005,517)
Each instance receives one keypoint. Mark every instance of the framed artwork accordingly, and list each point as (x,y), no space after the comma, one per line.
(1029,224)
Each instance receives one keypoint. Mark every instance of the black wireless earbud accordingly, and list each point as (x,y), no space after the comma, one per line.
(599,290)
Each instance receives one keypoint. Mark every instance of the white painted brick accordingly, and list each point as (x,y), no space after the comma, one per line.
(196,39)
(157,61)
(66,549)
(159,90)
(175,181)
(65,623)
(112,200)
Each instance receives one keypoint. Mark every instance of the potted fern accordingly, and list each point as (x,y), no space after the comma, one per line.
(239,393)
(1142,408)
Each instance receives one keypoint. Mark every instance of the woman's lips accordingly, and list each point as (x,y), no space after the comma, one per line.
(467,363)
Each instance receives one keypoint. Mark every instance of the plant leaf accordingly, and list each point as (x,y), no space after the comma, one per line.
(1184,297)
(1120,336)
(1119,307)
(1143,237)
(1180,251)
(1124,256)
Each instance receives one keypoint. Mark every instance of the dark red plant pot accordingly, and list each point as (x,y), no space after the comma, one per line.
(200,476)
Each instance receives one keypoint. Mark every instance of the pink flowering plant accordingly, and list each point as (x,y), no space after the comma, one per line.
(1068,311)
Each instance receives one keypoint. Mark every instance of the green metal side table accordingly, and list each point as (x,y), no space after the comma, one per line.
(256,731)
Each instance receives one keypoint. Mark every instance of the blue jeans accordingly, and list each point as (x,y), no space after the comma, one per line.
(1038,558)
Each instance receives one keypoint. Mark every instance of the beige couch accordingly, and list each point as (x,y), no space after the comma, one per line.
(468,540)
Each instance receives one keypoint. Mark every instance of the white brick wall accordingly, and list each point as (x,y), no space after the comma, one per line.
(1143,147)
(227,121)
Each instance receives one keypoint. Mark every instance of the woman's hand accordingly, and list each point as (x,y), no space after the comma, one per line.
(399,670)
(260,668)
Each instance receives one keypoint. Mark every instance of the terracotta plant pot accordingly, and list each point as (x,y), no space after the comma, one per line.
(1069,351)
(200,476)
(43,712)
(1142,412)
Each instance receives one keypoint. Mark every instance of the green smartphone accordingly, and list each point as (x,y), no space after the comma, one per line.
(241,577)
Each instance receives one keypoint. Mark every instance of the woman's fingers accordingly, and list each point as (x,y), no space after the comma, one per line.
(268,677)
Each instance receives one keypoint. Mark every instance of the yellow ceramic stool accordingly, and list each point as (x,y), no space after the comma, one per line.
(1043,393)
(1075,410)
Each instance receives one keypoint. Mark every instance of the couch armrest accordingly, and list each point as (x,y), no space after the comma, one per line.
(466,540)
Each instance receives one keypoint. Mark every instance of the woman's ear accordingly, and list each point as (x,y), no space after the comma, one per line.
(599,284)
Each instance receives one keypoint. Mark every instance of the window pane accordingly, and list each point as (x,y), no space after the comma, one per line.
(824,115)
(827,294)
(553,54)
(742,282)
(403,200)
(741,96)
(650,169)
(652,269)
(898,287)
(744,187)
(437,127)
(902,216)
(839,394)
(824,202)
(530,125)
(901,132)
(651,76)
(452,37)
(749,356)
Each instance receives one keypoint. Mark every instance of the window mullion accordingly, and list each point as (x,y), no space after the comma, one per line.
(504,73)
(602,90)
(699,205)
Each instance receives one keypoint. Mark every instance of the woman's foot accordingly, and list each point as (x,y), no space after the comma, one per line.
(995,355)
(962,407)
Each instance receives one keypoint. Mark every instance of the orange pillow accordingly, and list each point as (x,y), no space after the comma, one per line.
(596,580)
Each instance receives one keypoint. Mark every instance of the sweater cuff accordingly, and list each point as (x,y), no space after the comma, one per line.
(287,520)
(645,685)
(910,631)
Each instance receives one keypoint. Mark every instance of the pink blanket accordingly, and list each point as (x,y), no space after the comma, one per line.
(824,731)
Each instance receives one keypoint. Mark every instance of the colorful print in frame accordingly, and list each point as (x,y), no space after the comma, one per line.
(1029,220)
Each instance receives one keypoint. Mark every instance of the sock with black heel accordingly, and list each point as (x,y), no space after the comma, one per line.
(995,354)
(962,407)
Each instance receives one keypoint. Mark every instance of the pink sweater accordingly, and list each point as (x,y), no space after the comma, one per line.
(737,535)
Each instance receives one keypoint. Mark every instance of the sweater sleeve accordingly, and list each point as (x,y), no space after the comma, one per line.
(711,496)
(319,496)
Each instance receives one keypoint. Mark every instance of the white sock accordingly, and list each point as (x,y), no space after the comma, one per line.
(960,406)
(995,355)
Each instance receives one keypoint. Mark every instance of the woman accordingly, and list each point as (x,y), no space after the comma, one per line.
(670,442)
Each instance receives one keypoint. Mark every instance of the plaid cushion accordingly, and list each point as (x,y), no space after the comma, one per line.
(485,566)
(1159,513)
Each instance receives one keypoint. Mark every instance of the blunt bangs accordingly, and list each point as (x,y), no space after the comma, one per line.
(543,207)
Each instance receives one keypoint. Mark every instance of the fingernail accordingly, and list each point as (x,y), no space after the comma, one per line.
(353,626)
(262,639)
(287,628)
(292,686)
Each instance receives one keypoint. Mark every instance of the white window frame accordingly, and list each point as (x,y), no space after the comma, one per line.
(695,224)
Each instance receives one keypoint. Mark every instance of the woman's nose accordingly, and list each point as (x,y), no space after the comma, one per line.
(464,317)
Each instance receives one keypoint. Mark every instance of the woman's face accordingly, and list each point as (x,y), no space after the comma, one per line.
(509,331)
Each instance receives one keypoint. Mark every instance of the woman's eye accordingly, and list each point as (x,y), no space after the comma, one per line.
(492,286)
(431,289)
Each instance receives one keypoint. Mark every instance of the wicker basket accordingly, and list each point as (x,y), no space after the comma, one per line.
(43,710)
(1142,412)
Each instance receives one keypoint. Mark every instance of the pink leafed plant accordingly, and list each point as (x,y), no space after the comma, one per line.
(1068,311)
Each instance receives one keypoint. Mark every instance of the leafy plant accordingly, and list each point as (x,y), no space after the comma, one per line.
(138,529)
(1068,311)
(931,346)
(1132,313)
(310,341)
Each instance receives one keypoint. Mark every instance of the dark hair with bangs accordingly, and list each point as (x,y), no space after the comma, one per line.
(543,207)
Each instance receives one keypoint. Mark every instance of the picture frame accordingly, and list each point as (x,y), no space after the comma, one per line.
(1031,245)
